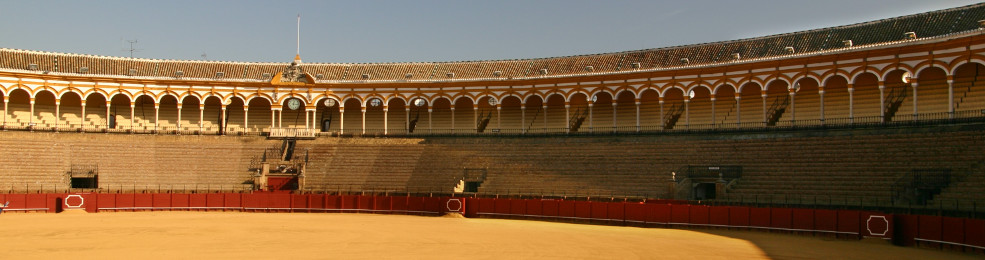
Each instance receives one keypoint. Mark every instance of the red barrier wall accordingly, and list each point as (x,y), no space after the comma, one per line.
(904,229)
(974,232)
(242,202)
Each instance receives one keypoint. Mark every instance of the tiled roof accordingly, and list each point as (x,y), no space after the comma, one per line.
(929,24)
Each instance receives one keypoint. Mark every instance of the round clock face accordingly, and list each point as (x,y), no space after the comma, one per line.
(492,101)
(419,102)
(595,98)
(375,102)
(293,104)
(330,102)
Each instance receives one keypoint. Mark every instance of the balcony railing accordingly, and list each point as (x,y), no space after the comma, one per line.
(293,133)
(966,116)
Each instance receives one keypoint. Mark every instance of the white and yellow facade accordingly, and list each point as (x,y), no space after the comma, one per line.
(932,73)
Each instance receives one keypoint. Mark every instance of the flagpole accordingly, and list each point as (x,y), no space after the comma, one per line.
(299,35)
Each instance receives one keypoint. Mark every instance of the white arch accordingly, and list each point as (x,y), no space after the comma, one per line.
(710,91)
(954,71)
(527,98)
(664,93)
(833,75)
(855,77)
(463,96)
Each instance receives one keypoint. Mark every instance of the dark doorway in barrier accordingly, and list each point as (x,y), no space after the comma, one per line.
(59,205)
(704,191)
(472,186)
(84,176)
(85,182)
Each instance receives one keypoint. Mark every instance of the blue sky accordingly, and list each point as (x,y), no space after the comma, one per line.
(402,31)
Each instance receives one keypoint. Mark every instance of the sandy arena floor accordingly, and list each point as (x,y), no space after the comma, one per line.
(226,235)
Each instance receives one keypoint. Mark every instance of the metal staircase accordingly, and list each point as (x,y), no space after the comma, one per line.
(576,120)
(894,101)
(776,110)
(673,116)
(483,121)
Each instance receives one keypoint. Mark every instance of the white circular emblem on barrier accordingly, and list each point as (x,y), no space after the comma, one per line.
(885,223)
(69,199)
(457,205)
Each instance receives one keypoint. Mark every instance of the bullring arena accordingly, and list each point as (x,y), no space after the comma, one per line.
(795,145)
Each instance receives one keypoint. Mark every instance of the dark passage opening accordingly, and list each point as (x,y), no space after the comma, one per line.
(472,186)
(704,191)
(88,182)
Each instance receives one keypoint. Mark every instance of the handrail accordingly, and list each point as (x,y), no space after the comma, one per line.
(895,100)
(534,120)
(576,119)
(958,117)
(674,115)
(482,121)
(292,132)
(774,113)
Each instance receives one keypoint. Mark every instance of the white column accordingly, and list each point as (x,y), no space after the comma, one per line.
(132,117)
(499,118)
(82,119)
(57,112)
(687,111)
(475,115)
(363,112)
(663,124)
(851,104)
(882,101)
(915,100)
(545,116)
(246,119)
(453,119)
(430,128)
(108,104)
(763,94)
(820,93)
(273,118)
(341,119)
(567,116)
(793,106)
(30,120)
(6,98)
(201,116)
(714,119)
(386,121)
(950,97)
(738,109)
(280,118)
(179,117)
(614,125)
(157,116)
(638,115)
(523,118)
(222,119)
(407,119)
(591,116)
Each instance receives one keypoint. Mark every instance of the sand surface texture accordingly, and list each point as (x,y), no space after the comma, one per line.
(226,235)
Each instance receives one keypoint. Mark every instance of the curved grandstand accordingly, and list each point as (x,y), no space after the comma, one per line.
(886,115)
(905,68)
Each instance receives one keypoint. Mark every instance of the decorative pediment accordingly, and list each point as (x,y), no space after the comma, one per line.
(292,75)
